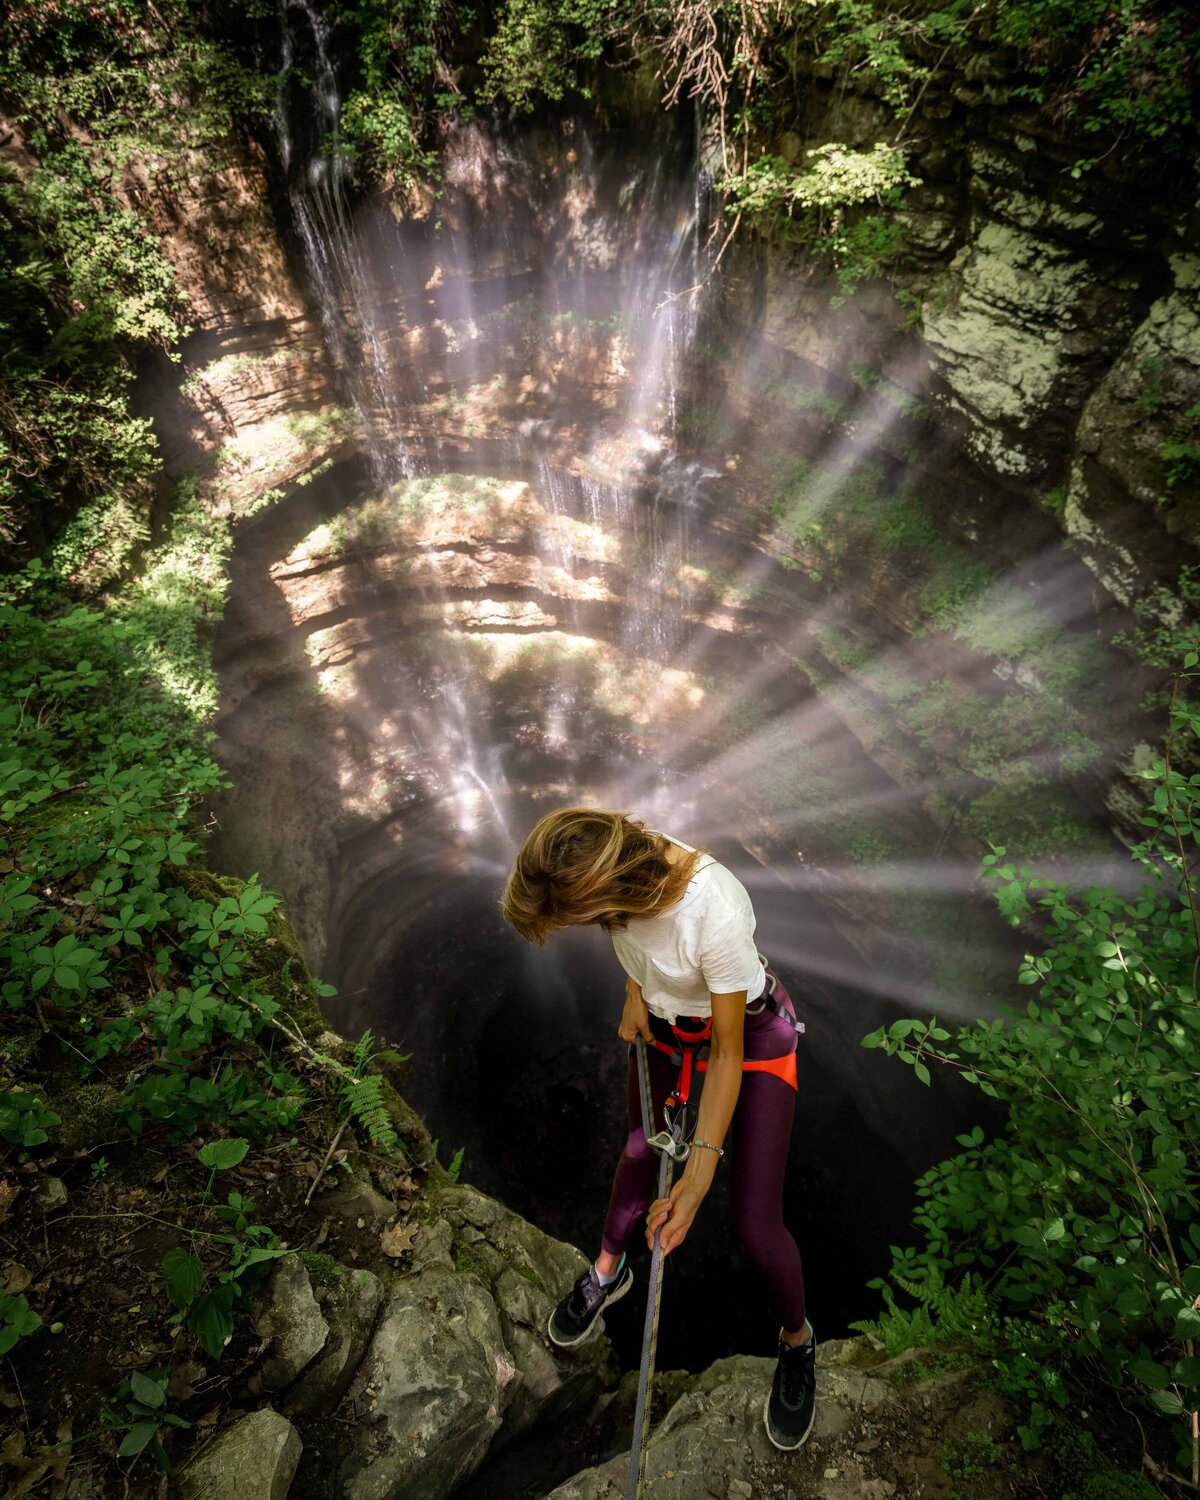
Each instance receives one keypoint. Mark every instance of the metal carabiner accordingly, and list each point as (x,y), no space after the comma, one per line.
(675,1148)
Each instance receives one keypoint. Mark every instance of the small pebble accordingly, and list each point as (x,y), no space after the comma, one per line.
(50,1193)
(831,1473)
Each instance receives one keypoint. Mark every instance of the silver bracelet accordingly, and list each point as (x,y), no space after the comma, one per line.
(708,1147)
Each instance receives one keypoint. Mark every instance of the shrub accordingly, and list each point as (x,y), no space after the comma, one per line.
(1081,1213)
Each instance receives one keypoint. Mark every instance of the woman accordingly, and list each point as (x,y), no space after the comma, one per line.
(682,926)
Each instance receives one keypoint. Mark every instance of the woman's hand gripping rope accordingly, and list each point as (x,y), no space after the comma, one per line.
(635,1018)
(675,1214)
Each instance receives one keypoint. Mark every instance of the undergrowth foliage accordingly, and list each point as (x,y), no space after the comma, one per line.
(110,103)
(1081,1215)
(97,780)
(125,964)
(104,934)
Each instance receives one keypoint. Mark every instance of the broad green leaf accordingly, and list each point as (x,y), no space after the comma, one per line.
(224,1154)
(147,1391)
(184,1275)
(1187,1322)
(136,1438)
(1156,1376)
(1167,1401)
(212,1319)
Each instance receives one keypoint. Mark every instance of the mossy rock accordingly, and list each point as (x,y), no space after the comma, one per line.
(410,1127)
(18,1051)
(321,1268)
(89,1115)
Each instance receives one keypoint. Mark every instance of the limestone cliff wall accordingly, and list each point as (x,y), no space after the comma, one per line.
(1058,335)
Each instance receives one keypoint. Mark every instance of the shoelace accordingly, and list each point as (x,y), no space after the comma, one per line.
(796,1372)
(589,1289)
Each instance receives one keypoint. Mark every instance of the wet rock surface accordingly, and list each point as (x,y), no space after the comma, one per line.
(254,1459)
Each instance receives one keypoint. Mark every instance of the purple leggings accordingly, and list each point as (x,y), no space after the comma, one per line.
(762,1133)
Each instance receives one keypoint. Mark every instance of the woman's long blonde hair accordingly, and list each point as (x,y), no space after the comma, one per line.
(581,866)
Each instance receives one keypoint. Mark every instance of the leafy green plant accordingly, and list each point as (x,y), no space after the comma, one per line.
(1081,1214)
(17,1321)
(1078,1469)
(25,1120)
(144,1397)
(1167,619)
(971,1456)
(362,1092)
(403,81)
(942,1314)
(815,205)
(541,49)
(207,1304)
(1180,452)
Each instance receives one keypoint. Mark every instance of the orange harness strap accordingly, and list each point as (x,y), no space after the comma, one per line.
(781,1067)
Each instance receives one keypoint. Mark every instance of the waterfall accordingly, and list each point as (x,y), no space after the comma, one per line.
(559,265)
(317,166)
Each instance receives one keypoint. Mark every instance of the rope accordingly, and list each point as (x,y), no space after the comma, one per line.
(669,1147)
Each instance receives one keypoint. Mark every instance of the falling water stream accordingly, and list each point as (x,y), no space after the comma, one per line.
(532,589)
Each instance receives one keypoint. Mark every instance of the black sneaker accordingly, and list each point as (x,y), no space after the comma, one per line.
(788,1414)
(577,1314)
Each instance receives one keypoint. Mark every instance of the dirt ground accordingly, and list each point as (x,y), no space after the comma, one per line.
(90,1268)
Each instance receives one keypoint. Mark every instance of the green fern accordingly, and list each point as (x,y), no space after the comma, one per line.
(362,1092)
(362,1053)
(365,1103)
(942,1315)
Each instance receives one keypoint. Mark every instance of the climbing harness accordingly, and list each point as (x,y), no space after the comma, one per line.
(673,1143)
(685,1059)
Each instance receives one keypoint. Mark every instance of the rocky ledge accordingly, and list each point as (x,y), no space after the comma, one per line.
(381,1387)
(443,1368)
(884,1429)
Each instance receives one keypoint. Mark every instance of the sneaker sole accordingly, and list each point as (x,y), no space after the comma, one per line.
(800,1441)
(594,1325)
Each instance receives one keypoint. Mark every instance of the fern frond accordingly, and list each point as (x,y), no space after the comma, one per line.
(362,1051)
(942,1315)
(367,1108)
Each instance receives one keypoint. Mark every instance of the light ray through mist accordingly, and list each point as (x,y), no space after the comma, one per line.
(629,632)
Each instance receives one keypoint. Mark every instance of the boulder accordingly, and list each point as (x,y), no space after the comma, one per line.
(712,1440)
(349,1304)
(429,1396)
(254,1459)
(528,1272)
(458,1361)
(292,1321)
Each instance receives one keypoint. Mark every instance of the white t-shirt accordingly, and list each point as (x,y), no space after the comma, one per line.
(700,946)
